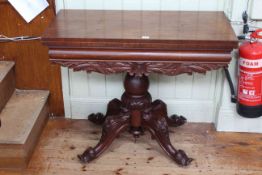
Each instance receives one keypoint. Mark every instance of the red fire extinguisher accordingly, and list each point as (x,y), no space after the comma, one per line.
(249,99)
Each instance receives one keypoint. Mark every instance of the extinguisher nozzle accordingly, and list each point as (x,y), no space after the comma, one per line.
(241,37)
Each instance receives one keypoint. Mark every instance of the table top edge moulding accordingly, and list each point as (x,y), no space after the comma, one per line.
(139,43)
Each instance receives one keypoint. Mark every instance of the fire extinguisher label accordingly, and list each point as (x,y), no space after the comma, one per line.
(249,87)
(250,63)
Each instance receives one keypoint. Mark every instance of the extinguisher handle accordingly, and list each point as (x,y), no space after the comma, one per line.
(257,34)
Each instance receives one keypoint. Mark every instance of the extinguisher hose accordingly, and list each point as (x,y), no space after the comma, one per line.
(232,89)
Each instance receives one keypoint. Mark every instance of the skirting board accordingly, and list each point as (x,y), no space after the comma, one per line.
(229,120)
(194,111)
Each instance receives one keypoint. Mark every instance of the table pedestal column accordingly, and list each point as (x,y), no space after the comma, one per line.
(136,112)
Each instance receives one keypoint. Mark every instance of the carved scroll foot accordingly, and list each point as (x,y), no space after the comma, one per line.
(113,126)
(175,120)
(181,158)
(97,118)
(87,156)
(113,108)
(155,120)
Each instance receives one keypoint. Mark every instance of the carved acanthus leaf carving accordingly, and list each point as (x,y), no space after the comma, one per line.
(139,68)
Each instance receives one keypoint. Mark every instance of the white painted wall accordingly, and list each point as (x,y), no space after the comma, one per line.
(201,98)
(90,93)
(209,5)
(227,118)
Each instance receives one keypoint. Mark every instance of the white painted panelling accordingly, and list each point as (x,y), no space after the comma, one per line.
(132,4)
(154,85)
(114,85)
(91,4)
(188,5)
(193,110)
(238,7)
(212,88)
(204,86)
(201,86)
(91,92)
(113,4)
(79,84)
(228,6)
(218,93)
(221,5)
(66,92)
(59,5)
(255,9)
(206,5)
(151,4)
(166,87)
(170,5)
(82,107)
(184,84)
(69,4)
(97,85)
(230,121)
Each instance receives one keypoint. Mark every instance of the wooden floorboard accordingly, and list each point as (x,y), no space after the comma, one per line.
(215,153)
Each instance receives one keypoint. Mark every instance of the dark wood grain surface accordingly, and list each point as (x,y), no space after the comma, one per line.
(141,29)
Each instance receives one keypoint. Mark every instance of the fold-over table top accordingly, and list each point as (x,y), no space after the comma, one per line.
(165,30)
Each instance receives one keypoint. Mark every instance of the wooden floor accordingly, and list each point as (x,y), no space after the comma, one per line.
(214,153)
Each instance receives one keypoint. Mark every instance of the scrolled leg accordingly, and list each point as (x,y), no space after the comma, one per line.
(88,155)
(155,121)
(175,120)
(112,127)
(97,118)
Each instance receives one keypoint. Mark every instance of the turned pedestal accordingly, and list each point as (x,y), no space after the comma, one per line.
(136,112)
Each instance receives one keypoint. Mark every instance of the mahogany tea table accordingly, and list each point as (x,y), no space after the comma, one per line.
(139,43)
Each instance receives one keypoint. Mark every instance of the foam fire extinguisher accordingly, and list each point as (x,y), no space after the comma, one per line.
(249,98)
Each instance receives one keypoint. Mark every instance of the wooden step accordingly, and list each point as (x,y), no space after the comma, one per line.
(23,120)
(7,82)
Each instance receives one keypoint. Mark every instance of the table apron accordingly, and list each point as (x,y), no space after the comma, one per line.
(139,68)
